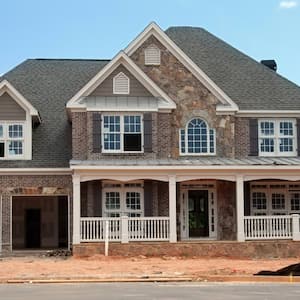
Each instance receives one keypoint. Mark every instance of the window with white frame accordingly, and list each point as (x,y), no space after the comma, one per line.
(121,84)
(152,55)
(277,137)
(123,200)
(122,133)
(274,199)
(11,140)
(197,138)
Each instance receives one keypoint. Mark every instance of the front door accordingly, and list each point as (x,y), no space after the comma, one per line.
(198,213)
(33,228)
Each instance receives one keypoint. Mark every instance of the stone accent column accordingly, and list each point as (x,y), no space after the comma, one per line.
(240,208)
(172,209)
(76,209)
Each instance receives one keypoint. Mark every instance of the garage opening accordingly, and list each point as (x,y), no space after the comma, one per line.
(39,222)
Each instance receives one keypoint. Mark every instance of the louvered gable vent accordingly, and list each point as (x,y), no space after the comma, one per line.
(152,55)
(121,84)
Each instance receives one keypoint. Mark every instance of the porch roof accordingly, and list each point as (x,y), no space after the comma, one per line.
(203,161)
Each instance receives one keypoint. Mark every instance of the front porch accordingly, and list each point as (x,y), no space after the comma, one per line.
(131,207)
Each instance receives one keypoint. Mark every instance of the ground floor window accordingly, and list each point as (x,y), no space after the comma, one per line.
(123,199)
(275,199)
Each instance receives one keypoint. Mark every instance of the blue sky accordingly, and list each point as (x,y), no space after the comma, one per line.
(263,29)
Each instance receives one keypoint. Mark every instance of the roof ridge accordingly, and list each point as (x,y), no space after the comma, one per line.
(70,59)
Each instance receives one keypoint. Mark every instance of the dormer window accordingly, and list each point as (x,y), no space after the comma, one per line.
(197,138)
(121,84)
(152,55)
(11,140)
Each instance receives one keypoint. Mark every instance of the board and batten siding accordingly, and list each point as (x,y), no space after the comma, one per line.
(136,89)
(10,109)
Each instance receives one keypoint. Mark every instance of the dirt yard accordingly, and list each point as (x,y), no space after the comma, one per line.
(117,267)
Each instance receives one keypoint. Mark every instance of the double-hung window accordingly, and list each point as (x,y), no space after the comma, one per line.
(122,133)
(277,138)
(11,140)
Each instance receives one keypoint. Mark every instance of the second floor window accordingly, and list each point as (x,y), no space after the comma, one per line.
(277,137)
(11,140)
(122,133)
(197,138)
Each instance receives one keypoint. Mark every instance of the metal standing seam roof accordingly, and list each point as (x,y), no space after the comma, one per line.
(193,161)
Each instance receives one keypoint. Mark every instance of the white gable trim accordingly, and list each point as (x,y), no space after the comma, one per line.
(5,86)
(120,58)
(160,35)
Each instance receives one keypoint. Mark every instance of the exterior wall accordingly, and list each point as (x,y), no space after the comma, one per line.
(242,137)
(191,97)
(79,135)
(226,203)
(15,185)
(49,219)
(106,87)
(10,109)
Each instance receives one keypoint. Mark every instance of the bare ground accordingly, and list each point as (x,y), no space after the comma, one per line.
(110,267)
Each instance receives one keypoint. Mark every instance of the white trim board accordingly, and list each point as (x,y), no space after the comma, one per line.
(35,171)
(228,105)
(5,86)
(121,58)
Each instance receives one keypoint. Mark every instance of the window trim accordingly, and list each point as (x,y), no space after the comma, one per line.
(122,131)
(122,189)
(186,141)
(115,92)
(268,190)
(277,137)
(6,139)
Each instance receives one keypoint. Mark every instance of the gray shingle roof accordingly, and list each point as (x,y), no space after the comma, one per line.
(247,82)
(48,85)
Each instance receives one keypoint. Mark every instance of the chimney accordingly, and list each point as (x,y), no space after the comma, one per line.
(270,63)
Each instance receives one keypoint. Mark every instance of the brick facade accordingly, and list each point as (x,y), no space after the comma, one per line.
(242,138)
(43,185)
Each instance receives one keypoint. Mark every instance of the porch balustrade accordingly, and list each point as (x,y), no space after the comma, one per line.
(272,227)
(125,229)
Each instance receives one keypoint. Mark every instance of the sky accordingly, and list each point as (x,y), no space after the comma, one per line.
(99,29)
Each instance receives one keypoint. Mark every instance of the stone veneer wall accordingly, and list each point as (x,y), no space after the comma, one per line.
(226,209)
(43,185)
(191,97)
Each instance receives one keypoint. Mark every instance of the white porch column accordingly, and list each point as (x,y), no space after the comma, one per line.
(76,209)
(124,229)
(172,209)
(296,227)
(240,208)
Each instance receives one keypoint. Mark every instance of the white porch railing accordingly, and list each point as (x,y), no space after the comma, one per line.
(148,229)
(93,229)
(271,227)
(125,229)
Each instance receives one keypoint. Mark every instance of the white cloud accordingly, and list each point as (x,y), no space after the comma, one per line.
(288,4)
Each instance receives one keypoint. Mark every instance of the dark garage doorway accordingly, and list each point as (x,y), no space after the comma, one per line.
(40,222)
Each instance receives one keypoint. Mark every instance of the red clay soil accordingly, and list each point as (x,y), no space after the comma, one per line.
(109,267)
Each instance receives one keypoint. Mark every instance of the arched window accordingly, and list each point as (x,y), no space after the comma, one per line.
(197,138)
